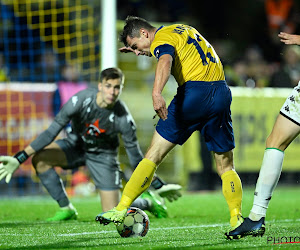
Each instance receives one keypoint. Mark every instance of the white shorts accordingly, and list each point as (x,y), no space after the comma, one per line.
(291,107)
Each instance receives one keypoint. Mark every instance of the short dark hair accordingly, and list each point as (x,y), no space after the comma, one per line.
(111,73)
(132,27)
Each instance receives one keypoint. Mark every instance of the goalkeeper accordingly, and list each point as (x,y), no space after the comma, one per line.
(97,118)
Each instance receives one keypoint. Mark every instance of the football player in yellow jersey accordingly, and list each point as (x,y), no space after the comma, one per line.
(202,103)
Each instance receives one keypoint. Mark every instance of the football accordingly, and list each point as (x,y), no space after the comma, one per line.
(136,223)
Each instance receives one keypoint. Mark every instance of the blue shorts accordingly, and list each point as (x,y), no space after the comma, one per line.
(203,106)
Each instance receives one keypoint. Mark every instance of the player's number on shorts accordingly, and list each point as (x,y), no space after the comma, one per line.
(200,50)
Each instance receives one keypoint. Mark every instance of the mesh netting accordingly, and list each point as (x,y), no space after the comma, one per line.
(38,37)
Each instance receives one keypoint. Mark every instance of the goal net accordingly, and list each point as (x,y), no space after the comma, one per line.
(39,37)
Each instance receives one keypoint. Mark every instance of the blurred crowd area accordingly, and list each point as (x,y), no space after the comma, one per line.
(243,33)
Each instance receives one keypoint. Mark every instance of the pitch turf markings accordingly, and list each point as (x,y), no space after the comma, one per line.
(152,229)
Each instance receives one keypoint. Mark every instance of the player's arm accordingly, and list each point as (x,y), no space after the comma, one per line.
(289,38)
(128,50)
(127,129)
(162,74)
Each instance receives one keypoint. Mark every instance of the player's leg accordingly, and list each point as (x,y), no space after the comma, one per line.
(219,137)
(109,199)
(140,179)
(147,201)
(280,137)
(52,155)
(106,174)
(231,186)
(184,117)
(44,163)
(285,130)
(143,174)
(283,133)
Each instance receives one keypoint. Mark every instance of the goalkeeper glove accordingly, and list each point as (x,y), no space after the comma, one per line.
(9,164)
(170,191)
(164,190)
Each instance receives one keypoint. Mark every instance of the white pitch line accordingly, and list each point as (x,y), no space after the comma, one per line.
(153,229)
(170,228)
(113,231)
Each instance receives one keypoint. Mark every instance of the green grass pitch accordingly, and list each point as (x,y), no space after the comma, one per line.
(197,221)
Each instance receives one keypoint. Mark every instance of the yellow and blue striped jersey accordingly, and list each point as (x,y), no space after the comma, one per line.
(194,59)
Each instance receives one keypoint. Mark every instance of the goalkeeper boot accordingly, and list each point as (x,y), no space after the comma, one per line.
(248,227)
(64,214)
(112,215)
(155,206)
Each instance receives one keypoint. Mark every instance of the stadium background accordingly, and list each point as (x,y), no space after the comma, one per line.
(39,38)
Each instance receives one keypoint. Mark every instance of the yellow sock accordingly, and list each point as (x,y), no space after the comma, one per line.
(138,183)
(233,193)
